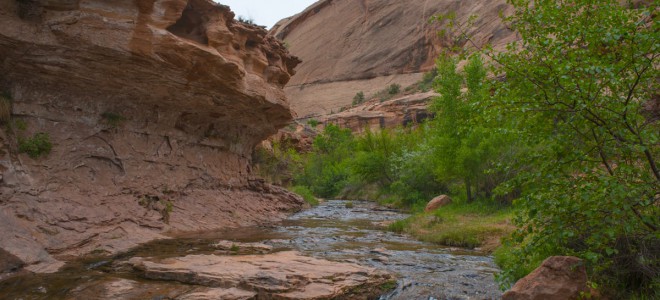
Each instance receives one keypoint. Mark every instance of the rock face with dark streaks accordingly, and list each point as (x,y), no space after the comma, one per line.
(349,46)
(152,108)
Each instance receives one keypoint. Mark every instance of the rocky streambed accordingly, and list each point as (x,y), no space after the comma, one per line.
(328,252)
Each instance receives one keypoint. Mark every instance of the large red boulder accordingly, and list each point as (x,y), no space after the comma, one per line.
(558,278)
(437,202)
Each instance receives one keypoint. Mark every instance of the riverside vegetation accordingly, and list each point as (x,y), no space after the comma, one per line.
(558,135)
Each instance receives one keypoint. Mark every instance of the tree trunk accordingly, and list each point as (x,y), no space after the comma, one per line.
(468,190)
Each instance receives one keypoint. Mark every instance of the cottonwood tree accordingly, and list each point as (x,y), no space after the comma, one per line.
(582,84)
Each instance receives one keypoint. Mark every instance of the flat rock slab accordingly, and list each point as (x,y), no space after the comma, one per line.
(120,288)
(243,248)
(281,275)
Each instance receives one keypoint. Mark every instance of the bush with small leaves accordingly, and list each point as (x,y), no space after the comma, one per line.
(313,122)
(394,89)
(245,20)
(36,146)
(359,98)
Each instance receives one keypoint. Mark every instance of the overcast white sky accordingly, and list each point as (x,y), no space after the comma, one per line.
(266,12)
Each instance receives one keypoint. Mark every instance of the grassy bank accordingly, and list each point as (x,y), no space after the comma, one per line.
(473,225)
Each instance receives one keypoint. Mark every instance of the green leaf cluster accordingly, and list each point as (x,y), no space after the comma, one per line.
(468,140)
(578,87)
(358,98)
(37,145)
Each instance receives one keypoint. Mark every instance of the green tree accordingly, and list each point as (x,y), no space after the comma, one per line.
(372,162)
(578,86)
(327,167)
(468,143)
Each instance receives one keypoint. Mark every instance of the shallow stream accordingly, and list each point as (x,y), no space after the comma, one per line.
(331,231)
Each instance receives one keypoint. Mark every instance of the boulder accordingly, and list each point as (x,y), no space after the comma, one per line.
(282,275)
(437,202)
(558,278)
(9,263)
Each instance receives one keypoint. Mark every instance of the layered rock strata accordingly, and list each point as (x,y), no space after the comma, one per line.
(281,275)
(402,111)
(152,108)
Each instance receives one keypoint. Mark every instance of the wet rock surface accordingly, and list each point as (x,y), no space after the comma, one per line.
(282,275)
(328,239)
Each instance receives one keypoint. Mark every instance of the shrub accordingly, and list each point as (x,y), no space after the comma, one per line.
(313,122)
(36,146)
(349,204)
(399,226)
(278,165)
(394,89)
(113,119)
(427,81)
(306,193)
(359,98)
(246,20)
(20,125)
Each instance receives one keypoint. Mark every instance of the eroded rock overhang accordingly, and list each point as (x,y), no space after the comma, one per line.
(153,108)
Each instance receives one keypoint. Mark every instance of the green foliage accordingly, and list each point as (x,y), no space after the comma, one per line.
(37,145)
(389,285)
(394,89)
(576,87)
(467,225)
(19,125)
(399,225)
(426,84)
(359,98)
(234,248)
(371,163)
(326,168)
(469,142)
(313,122)
(506,257)
(113,119)
(349,205)
(306,193)
(278,164)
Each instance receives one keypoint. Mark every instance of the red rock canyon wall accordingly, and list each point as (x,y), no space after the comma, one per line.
(153,108)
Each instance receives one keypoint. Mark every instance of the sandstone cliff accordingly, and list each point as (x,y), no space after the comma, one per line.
(153,108)
(349,46)
(401,111)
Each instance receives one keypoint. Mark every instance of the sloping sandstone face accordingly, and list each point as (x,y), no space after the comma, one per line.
(153,108)
(349,46)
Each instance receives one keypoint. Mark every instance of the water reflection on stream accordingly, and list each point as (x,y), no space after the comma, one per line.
(329,231)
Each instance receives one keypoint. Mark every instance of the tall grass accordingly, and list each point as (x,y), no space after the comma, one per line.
(468,225)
